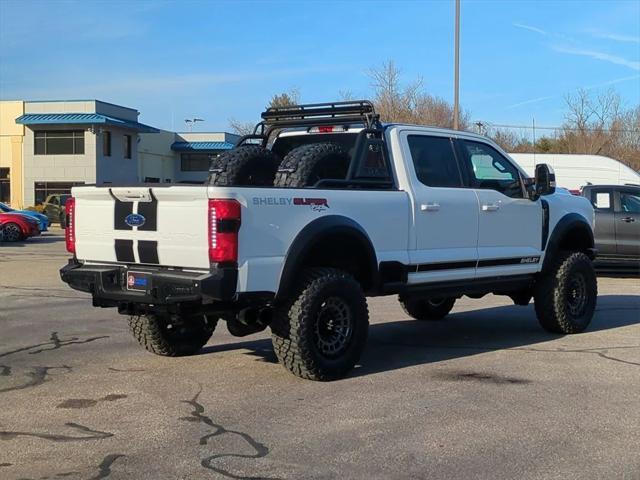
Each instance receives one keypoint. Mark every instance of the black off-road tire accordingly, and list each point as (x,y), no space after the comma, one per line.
(307,164)
(158,335)
(427,308)
(566,295)
(304,327)
(63,220)
(247,165)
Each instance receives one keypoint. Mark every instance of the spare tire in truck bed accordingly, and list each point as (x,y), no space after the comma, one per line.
(247,165)
(307,164)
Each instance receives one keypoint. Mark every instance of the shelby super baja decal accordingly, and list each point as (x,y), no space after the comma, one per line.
(317,204)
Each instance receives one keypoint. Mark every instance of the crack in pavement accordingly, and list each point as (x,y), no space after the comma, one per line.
(198,416)
(96,434)
(54,342)
(126,369)
(38,377)
(600,351)
(105,466)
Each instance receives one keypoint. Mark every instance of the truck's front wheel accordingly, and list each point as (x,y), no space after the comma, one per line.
(321,332)
(171,336)
(566,295)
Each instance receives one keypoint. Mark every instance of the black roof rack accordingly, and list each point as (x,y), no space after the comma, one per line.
(356,111)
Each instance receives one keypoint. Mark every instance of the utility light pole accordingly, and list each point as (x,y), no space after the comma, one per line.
(456,80)
(191,122)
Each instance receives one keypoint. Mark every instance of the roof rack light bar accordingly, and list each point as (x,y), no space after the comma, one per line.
(349,112)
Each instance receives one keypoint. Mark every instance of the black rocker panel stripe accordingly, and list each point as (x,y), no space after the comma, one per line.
(508,261)
(148,251)
(122,209)
(431,267)
(149,210)
(124,251)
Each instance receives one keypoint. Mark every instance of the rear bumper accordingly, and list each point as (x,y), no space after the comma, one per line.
(108,284)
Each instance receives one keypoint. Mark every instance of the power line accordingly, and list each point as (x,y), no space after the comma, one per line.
(529,127)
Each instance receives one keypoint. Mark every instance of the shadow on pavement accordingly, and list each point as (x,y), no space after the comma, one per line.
(399,344)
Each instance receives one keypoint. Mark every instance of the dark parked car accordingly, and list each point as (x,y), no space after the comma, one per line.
(617,228)
(53,208)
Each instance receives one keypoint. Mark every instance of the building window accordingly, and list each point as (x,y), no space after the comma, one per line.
(106,144)
(127,146)
(43,189)
(196,162)
(59,142)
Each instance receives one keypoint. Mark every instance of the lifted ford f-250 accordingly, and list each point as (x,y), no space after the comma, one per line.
(321,207)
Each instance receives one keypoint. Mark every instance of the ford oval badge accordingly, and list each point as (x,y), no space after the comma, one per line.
(135,220)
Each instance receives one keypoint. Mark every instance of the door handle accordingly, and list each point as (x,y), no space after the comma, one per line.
(430,207)
(628,219)
(490,207)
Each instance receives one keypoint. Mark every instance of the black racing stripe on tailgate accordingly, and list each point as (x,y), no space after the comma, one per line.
(148,251)
(149,210)
(121,211)
(124,251)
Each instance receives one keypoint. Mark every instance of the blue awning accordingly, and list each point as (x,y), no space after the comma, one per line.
(82,119)
(200,146)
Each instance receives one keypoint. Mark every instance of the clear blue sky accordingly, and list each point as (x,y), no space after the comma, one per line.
(216,60)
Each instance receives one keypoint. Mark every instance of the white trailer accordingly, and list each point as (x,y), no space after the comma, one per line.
(575,171)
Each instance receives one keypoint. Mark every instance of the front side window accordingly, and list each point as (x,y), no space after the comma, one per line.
(434,161)
(127,146)
(490,170)
(59,142)
(629,202)
(106,144)
(196,162)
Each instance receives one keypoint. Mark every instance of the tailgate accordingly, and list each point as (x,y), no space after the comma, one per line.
(142,225)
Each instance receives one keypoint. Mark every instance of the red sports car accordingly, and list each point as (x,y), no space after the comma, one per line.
(15,227)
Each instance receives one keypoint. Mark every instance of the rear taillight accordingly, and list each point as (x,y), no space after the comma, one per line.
(224,224)
(70,230)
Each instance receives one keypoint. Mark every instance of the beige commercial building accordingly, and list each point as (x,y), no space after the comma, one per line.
(46,147)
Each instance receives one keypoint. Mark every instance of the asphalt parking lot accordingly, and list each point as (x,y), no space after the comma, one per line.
(483,394)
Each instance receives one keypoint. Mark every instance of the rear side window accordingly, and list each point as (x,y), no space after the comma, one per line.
(601,200)
(434,161)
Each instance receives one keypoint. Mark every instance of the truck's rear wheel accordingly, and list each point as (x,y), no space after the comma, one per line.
(247,165)
(170,336)
(566,295)
(321,332)
(307,164)
(427,308)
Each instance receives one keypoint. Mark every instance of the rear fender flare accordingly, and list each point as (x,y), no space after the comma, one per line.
(315,233)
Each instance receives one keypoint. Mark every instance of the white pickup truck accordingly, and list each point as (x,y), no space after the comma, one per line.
(321,207)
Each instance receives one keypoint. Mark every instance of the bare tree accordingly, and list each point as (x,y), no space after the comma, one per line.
(409,103)
(286,99)
(241,128)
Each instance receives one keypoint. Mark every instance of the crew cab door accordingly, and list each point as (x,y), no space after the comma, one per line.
(445,213)
(627,220)
(510,224)
(605,222)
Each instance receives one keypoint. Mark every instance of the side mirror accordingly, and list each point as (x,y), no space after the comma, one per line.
(545,181)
